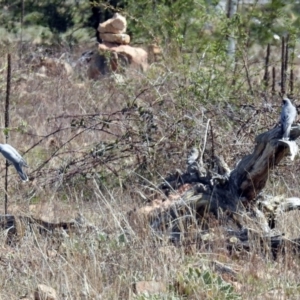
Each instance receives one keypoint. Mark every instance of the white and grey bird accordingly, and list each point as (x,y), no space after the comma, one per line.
(288,116)
(13,156)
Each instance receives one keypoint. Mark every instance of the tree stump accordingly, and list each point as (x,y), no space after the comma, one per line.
(234,192)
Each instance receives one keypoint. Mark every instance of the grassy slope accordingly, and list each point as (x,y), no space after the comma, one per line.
(105,262)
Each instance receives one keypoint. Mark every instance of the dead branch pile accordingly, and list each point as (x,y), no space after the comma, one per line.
(234,197)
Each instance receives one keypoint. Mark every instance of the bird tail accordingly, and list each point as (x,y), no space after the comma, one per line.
(286,131)
(21,172)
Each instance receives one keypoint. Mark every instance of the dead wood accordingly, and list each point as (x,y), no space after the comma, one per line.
(17,226)
(228,190)
(250,176)
(232,195)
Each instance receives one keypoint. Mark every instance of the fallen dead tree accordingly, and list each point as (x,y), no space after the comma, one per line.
(234,197)
(17,226)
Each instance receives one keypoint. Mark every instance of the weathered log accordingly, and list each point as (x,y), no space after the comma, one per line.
(17,226)
(225,190)
(273,244)
(274,206)
(250,176)
(229,189)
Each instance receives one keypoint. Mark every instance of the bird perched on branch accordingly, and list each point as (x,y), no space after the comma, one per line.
(13,156)
(288,116)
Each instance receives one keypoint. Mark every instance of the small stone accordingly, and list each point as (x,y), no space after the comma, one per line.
(117,24)
(44,292)
(118,38)
(150,287)
(233,240)
(51,253)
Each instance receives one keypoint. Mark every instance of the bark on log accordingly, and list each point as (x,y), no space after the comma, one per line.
(209,191)
(224,191)
(17,226)
(246,181)
(250,176)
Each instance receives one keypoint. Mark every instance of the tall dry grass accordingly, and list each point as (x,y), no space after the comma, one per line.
(99,148)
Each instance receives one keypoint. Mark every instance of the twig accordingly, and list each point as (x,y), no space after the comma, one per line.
(291,83)
(21,37)
(248,75)
(273,80)
(247,122)
(6,117)
(266,75)
(283,66)
(212,145)
(286,61)
(204,143)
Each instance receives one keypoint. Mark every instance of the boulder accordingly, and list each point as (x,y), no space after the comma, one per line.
(98,66)
(119,38)
(117,24)
(115,54)
(135,57)
(44,292)
(112,58)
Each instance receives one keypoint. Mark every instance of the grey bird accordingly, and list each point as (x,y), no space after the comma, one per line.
(13,156)
(288,116)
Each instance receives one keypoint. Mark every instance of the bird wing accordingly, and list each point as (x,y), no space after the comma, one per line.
(24,163)
(12,155)
(285,121)
(21,172)
(287,117)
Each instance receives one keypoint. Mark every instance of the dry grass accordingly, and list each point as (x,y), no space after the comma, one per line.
(50,121)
